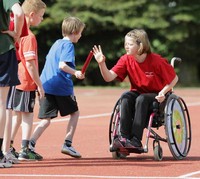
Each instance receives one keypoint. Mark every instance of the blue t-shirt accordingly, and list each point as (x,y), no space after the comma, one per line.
(54,80)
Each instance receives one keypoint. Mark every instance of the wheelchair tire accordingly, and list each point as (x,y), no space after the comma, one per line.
(158,153)
(157,150)
(114,126)
(177,127)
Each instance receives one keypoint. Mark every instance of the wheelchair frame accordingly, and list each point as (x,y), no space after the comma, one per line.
(174,118)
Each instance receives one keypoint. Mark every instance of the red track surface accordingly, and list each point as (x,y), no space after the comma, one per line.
(91,140)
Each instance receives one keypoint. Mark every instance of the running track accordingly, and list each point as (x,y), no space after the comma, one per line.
(91,140)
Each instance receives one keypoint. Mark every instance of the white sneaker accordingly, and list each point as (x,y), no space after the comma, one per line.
(70,151)
(4,163)
(11,158)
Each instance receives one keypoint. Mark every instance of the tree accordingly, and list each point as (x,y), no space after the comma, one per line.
(173,28)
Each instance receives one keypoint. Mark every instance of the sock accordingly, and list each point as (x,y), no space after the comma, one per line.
(1,153)
(25,143)
(68,143)
(32,143)
(11,143)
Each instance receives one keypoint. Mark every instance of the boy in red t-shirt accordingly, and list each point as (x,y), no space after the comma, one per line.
(151,77)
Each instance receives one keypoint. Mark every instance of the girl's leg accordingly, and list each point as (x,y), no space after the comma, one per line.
(127,113)
(142,107)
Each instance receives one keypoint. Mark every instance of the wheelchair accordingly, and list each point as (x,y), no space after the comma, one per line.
(172,115)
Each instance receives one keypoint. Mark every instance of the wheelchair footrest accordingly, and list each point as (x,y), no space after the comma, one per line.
(131,150)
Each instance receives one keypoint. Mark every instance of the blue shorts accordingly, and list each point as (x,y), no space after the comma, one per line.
(9,69)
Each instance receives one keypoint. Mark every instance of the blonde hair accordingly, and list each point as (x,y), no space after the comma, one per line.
(142,40)
(33,6)
(72,25)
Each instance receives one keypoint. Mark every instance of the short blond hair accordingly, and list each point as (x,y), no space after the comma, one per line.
(72,25)
(142,40)
(33,6)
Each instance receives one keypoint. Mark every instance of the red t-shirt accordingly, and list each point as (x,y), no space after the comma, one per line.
(149,76)
(27,51)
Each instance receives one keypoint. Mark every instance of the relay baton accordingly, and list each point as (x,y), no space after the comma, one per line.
(89,57)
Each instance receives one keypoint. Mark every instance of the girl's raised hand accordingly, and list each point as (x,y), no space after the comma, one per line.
(98,54)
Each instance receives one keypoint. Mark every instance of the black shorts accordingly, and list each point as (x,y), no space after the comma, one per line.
(22,101)
(51,104)
(9,69)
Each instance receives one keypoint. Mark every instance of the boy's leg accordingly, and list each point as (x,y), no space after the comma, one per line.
(39,129)
(26,153)
(3,99)
(71,127)
(16,122)
(67,147)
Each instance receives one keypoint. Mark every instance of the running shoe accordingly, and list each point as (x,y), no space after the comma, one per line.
(136,142)
(117,143)
(70,151)
(11,158)
(13,151)
(27,154)
(4,163)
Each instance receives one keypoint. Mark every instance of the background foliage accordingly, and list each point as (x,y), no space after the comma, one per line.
(172,25)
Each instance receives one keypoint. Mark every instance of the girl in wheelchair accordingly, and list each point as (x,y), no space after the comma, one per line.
(150,76)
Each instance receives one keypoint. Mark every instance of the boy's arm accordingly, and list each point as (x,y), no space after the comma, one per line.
(33,72)
(64,67)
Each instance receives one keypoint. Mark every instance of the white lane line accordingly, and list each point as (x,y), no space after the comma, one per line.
(81,117)
(190,174)
(85,176)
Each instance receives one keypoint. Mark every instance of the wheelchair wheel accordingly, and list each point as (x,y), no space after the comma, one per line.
(114,123)
(177,127)
(158,152)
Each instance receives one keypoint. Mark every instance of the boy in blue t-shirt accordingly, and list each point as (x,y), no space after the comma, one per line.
(57,82)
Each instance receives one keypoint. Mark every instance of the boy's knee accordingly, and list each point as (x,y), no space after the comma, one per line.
(46,122)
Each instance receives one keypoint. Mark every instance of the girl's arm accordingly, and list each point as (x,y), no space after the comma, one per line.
(108,75)
(168,87)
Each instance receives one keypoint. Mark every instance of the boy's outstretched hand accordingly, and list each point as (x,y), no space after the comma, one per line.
(98,54)
(78,74)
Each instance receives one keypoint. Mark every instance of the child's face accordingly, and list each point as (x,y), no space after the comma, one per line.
(77,36)
(130,46)
(36,18)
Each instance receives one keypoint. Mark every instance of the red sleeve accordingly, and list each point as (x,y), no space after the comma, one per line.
(120,68)
(167,72)
(24,28)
